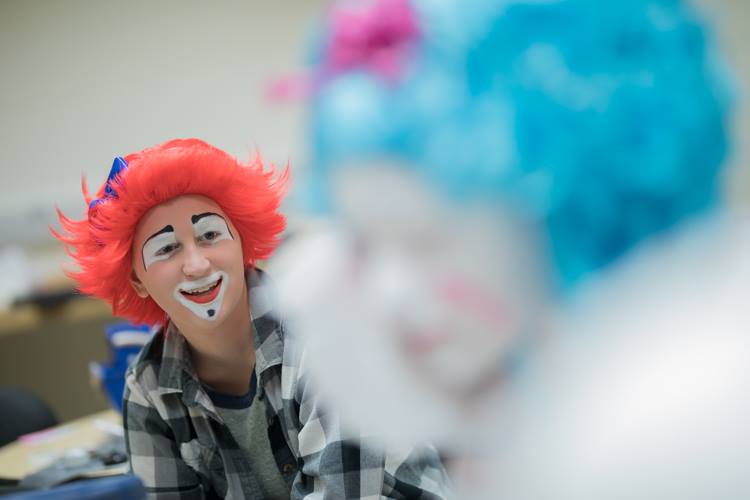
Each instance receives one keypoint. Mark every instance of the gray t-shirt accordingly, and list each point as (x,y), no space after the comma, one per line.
(245,416)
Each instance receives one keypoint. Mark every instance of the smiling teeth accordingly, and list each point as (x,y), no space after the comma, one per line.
(201,290)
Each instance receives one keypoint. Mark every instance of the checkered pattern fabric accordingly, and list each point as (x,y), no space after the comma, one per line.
(181,449)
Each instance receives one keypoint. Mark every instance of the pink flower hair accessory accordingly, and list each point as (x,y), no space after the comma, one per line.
(376,35)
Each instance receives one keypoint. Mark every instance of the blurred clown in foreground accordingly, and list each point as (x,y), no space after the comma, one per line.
(524,219)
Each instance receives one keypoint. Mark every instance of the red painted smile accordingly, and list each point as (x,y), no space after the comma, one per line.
(203,295)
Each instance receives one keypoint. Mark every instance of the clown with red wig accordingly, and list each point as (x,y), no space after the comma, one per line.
(218,404)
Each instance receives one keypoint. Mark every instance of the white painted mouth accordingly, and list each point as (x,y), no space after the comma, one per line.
(209,310)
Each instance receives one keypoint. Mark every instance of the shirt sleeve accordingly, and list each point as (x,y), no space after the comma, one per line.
(153,453)
(341,462)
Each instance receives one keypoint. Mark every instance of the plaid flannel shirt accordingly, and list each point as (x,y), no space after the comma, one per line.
(181,449)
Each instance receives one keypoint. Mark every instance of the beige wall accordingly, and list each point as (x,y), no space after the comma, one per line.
(83,79)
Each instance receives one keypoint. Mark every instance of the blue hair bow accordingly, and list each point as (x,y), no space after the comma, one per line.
(117,166)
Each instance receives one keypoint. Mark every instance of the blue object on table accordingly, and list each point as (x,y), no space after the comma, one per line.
(122,487)
(125,341)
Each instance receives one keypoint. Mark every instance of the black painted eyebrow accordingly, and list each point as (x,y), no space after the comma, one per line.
(166,229)
(195,218)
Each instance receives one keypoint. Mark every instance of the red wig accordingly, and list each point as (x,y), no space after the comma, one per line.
(101,243)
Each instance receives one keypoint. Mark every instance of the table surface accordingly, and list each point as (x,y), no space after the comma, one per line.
(34,451)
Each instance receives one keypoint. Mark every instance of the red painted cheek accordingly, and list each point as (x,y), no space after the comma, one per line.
(467,296)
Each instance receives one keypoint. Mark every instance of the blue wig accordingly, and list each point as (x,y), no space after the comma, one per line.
(607,121)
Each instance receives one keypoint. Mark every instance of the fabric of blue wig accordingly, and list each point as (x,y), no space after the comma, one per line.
(605,120)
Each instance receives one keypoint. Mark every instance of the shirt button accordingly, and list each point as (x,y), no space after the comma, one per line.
(287,468)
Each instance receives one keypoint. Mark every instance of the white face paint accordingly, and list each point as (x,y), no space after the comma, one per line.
(161,246)
(210,228)
(190,262)
(204,296)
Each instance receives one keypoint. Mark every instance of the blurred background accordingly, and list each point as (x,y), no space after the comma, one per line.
(84,81)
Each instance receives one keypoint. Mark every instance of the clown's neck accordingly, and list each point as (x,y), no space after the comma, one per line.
(224,356)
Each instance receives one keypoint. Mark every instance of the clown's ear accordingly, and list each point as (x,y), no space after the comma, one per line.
(138,286)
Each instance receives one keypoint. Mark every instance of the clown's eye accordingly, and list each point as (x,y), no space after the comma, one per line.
(210,229)
(210,235)
(167,249)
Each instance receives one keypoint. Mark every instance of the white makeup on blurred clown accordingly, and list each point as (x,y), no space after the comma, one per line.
(418,298)
(452,282)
